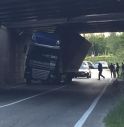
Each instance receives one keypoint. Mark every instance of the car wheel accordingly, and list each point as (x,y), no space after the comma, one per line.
(90,76)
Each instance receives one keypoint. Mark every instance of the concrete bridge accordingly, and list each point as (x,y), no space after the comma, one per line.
(20,18)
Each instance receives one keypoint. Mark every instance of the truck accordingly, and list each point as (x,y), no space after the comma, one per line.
(55,58)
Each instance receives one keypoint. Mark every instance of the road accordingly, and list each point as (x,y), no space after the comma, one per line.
(50,105)
(106,73)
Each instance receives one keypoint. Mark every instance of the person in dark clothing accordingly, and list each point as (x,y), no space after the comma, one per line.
(117,69)
(28,75)
(122,67)
(100,69)
(114,72)
(112,69)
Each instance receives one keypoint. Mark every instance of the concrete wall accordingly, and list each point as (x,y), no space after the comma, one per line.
(12,56)
(4,54)
(21,44)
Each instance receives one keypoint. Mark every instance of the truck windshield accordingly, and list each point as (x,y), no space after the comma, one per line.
(40,53)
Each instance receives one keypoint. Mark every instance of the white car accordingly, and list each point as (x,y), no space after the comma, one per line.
(91,65)
(84,68)
(104,64)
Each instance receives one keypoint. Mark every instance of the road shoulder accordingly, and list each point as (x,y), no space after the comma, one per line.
(108,101)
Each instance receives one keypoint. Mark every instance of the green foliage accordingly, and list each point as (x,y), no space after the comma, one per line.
(101,45)
(116,117)
(98,44)
(108,58)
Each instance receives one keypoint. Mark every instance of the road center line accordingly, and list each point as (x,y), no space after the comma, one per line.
(82,120)
(27,98)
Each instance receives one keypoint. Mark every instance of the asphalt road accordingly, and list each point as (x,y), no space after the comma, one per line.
(49,105)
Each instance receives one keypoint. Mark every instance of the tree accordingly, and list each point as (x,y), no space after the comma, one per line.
(113,44)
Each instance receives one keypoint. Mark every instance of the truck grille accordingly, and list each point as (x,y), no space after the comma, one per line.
(40,74)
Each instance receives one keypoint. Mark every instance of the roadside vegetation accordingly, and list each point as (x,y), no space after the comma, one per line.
(110,49)
(107,48)
(109,58)
(116,117)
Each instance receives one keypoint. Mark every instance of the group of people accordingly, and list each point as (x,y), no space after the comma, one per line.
(114,69)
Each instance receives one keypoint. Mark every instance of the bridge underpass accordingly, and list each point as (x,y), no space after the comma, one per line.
(19,19)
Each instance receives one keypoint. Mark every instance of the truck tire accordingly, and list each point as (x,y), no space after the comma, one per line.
(68,79)
(56,80)
(28,81)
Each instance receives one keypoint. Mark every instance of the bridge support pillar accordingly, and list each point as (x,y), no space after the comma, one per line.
(12,56)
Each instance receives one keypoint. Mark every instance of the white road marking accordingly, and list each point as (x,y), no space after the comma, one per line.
(83,119)
(42,93)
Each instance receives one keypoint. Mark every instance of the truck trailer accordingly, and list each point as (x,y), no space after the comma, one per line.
(55,58)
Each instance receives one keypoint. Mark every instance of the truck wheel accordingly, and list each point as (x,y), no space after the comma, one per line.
(28,81)
(68,79)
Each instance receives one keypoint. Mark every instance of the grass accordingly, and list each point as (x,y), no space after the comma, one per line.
(108,58)
(116,117)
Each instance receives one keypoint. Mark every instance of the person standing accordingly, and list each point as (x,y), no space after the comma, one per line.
(100,69)
(114,71)
(122,67)
(28,75)
(117,69)
(112,68)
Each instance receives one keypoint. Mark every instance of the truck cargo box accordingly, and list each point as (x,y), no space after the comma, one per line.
(74,49)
